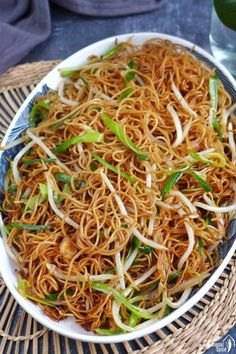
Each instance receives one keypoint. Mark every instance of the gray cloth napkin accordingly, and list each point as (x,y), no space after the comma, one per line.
(26,23)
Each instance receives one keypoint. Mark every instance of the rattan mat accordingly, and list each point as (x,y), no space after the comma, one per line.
(194,332)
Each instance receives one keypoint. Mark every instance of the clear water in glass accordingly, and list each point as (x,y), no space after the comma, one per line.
(223,43)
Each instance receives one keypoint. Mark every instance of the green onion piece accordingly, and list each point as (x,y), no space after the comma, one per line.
(167,311)
(108,332)
(33,202)
(85,82)
(173,276)
(145,249)
(113,168)
(172,180)
(67,73)
(69,116)
(139,312)
(132,64)
(200,180)
(126,93)
(93,166)
(113,51)
(98,286)
(89,136)
(63,177)
(198,157)
(133,320)
(43,190)
(12,189)
(22,288)
(130,74)
(213,90)
(154,284)
(201,244)
(31,162)
(109,271)
(120,134)
(208,220)
(52,296)
(30,227)
(136,242)
(37,114)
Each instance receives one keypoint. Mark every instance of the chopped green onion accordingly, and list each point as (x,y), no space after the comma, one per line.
(136,242)
(208,220)
(93,166)
(172,180)
(133,320)
(126,93)
(213,90)
(52,296)
(63,177)
(22,288)
(43,190)
(113,168)
(198,157)
(34,201)
(67,73)
(69,116)
(109,271)
(173,276)
(85,82)
(30,227)
(201,244)
(120,134)
(200,180)
(167,311)
(154,284)
(37,114)
(145,249)
(113,51)
(132,64)
(129,76)
(131,73)
(31,162)
(108,332)
(89,136)
(12,189)
(98,286)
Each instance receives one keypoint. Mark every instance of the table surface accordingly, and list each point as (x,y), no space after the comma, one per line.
(189,19)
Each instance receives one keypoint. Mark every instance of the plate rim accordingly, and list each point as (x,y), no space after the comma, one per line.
(44,320)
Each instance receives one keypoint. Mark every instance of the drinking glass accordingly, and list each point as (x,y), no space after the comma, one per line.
(223,43)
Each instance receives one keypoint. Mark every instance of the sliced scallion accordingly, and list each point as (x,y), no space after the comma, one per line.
(121,135)
(89,136)
(113,51)
(37,113)
(126,93)
(30,227)
(213,90)
(200,180)
(113,168)
(172,180)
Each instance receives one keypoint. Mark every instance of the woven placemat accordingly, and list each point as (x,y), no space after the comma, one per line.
(194,332)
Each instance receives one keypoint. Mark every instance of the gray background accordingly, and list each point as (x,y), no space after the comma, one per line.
(189,19)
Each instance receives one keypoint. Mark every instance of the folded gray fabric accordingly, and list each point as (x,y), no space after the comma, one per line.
(109,8)
(26,23)
(23,25)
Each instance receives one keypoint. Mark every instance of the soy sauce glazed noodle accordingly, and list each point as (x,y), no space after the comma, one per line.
(116,205)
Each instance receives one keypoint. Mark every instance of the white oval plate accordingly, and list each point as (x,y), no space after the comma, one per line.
(68,327)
